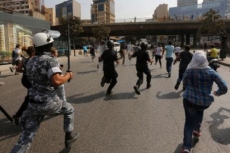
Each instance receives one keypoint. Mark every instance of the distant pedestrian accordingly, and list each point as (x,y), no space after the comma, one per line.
(108,57)
(85,50)
(130,51)
(205,46)
(122,53)
(185,58)
(154,52)
(158,55)
(22,68)
(177,50)
(92,52)
(16,58)
(169,57)
(198,81)
(143,58)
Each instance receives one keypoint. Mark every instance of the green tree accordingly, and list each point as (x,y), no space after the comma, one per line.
(75,28)
(101,32)
(212,23)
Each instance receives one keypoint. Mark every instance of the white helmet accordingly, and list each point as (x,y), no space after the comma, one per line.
(41,39)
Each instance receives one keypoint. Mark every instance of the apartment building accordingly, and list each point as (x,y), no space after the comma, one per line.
(68,8)
(103,11)
(161,12)
(26,7)
(186,2)
(49,14)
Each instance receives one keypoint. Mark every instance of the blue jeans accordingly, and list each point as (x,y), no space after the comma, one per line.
(193,119)
(169,61)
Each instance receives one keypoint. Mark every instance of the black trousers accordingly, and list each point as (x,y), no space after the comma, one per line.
(158,57)
(181,73)
(111,78)
(140,74)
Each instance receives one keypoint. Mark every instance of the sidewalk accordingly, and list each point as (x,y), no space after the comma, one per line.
(5,68)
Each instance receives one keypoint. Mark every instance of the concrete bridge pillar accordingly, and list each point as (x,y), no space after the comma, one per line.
(187,39)
(182,40)
(196,39)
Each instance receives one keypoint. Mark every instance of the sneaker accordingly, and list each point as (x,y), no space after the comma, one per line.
(11,69)
(177,85)
(183,150)
(148,86)
(169,75)
(70,140)
(196,134)
(16,120)
(136,90)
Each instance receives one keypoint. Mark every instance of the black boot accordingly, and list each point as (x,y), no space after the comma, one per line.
(177,85)
(70,139)
(136,88)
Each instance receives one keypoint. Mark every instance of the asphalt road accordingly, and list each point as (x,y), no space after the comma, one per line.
(122,122)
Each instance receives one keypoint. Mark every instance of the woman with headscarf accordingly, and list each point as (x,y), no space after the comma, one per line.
(198,81)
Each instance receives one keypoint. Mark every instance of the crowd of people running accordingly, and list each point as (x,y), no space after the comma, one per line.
(44,80)
(194,71)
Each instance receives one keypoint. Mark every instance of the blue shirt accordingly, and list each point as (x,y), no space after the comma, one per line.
(198,85)
(169,50)
(85,48)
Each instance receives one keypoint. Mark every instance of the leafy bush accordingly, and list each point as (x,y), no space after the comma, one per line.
(5,54)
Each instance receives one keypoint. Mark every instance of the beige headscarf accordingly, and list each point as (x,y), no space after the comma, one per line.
(199,61)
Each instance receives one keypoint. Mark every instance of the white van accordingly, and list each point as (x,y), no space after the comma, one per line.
(117,46)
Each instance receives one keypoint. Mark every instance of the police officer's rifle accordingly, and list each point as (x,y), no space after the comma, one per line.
(5,113)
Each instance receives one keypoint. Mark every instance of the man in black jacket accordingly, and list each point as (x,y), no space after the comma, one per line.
(110,75)
(142,66)
(185,58)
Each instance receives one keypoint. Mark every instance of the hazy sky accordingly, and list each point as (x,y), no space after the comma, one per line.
(123,8)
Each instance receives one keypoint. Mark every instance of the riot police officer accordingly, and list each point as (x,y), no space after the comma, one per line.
(108,57)
(44,74)
(142,66)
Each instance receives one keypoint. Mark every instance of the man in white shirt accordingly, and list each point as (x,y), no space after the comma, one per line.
(177,50)
(16,58)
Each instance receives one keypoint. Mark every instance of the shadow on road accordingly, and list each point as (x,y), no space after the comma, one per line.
(218,133)
(86,99)
(65,150)
(178,148)
(8,129)
(6,76)
(119,96)
(158,76)
(171,95)
(87,72)
(86,62)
